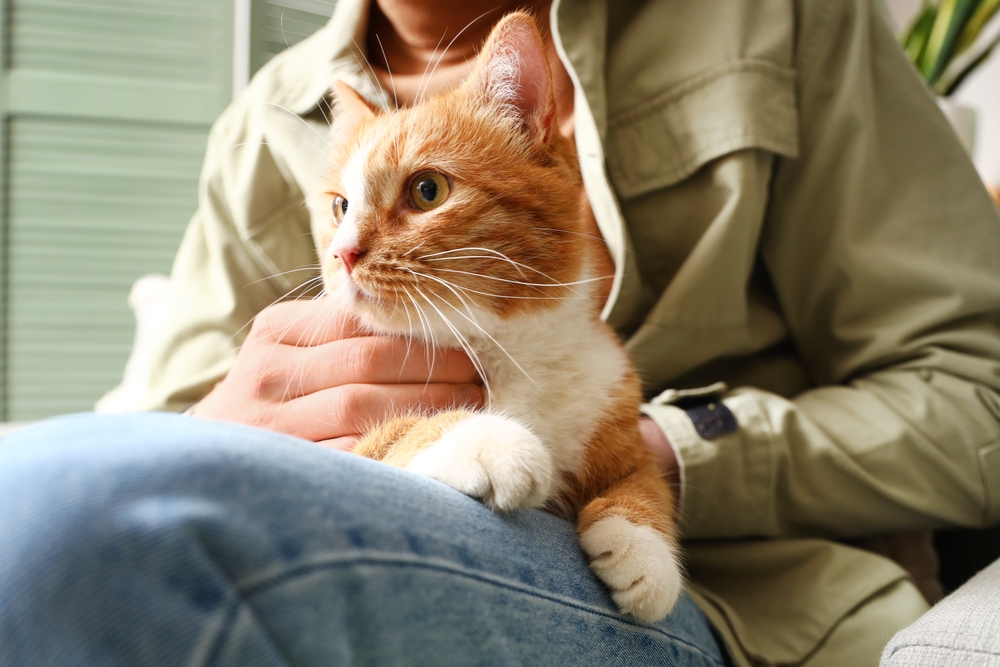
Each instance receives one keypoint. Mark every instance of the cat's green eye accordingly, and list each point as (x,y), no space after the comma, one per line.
(339,208)
(429,190)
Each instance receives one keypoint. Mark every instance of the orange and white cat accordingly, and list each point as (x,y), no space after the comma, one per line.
(457,223)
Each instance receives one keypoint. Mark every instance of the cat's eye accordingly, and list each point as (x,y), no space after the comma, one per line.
(339,208)
(429,190)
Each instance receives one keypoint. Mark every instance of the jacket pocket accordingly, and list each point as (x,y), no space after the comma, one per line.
(729,107)
(776,601)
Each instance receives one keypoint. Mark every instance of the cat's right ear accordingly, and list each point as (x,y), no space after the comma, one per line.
(512,72)
(350,108)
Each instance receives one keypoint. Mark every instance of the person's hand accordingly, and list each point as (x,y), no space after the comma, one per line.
(305,369)
(656,442)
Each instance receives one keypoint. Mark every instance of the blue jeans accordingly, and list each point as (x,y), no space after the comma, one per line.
(159,539)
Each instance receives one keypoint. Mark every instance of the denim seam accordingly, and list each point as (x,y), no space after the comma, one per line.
(230,619)
(220,639)
(303,570)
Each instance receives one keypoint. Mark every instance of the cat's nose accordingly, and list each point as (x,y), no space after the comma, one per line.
(349,256)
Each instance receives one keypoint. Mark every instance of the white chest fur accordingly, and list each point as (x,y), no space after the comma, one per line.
(570,366)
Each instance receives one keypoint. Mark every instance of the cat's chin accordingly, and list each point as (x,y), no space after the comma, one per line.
(348,295)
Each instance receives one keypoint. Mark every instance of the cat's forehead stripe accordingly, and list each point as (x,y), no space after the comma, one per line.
(358,189)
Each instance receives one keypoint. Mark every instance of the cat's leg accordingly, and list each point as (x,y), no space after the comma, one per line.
(483,455)
(628,533)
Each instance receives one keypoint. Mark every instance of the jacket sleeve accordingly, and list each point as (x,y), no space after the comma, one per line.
(884,252)
(229,265)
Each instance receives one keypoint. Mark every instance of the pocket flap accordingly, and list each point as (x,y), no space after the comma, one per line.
(744,104)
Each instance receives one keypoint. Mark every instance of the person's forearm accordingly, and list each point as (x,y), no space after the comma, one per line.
(656,442)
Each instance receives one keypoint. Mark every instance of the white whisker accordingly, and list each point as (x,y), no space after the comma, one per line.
(303,120)
(421,93)
(473,357)
(425,324)
(412,249)
(310,267)
(369,71)
(446,284)
(518,282)
(392,82)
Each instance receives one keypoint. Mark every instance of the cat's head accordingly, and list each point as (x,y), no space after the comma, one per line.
(467,204)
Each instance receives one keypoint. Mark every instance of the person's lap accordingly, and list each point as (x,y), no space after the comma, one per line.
(159,540)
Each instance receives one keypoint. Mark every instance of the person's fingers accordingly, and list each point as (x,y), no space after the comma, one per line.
(367,360)
(304,323)
(349,410)
(344,444)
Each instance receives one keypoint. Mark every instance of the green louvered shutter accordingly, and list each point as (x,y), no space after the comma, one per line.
(279,24)
(106,107)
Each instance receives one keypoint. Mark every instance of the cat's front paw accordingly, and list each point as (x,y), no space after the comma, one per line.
(637,563)
(492,458)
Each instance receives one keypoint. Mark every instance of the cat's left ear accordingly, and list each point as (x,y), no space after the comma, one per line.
(350,108)
(512,71)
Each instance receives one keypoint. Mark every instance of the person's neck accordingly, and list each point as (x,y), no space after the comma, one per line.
(408,37)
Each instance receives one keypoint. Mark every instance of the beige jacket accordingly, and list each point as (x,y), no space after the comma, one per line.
(789,214)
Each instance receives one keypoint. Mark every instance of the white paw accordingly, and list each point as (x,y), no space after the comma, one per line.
(492,458)
(637,563)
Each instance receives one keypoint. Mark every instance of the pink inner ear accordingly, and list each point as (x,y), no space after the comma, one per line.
(517,72)
(350,108)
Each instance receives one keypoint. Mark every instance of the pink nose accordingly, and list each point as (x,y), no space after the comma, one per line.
(348,256)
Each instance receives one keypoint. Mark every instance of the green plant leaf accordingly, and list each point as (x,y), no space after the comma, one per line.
(914,40)
(948,85)
(951,19)
(976,23)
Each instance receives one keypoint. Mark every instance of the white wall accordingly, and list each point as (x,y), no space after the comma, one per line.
(980,91)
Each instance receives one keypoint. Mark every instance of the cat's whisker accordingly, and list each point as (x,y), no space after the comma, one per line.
(500,256)
(304,287)
(421,93)
(413,248)
(409,337)
(309,267)
(483,331)
(274,346)
(369,71)
(517,266)
(300,370)
(497,343)
(560,298)
(435,257)
(445,283)
(599,239)
(325,140)
(423,77)
(473,357)
(392,82)
(469,290)
(281,26)
(428,330)
(328,113)
(518,282)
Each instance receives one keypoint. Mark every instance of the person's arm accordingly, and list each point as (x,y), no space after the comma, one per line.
(884,251)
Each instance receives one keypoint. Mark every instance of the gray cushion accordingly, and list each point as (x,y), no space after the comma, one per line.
(963,630)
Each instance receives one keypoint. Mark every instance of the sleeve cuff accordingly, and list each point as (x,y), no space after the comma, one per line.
(725,482)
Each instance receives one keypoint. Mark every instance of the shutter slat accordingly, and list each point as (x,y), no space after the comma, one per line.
(84,223)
